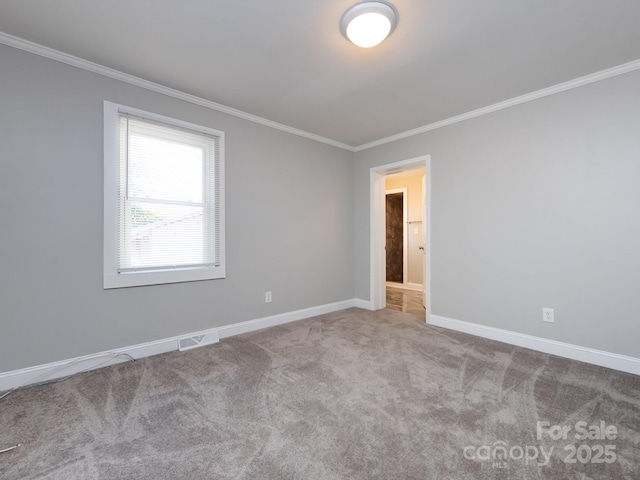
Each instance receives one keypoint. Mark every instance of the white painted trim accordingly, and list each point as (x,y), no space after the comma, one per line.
(545,92)
(265,322)
(77,62)
(377,260)
(601,358)
(64,368)
(377,278)
(364,304)
(428,260)
(112,278)
(65,58)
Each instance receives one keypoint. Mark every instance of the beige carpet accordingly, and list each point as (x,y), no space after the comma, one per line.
(348,395)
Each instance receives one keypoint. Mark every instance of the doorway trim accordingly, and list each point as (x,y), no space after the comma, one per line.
(377,257)
(405,242)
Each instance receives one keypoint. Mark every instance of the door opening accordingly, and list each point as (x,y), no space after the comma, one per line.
(421,226)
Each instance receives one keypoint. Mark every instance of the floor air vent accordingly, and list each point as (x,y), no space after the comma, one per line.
(187,343)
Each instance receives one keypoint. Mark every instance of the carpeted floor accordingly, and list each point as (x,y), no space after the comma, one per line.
(348,395)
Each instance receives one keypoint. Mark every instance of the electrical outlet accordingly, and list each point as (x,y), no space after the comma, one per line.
(547,315)
(267,297)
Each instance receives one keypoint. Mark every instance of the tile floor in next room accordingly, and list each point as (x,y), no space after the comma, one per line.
(404,300)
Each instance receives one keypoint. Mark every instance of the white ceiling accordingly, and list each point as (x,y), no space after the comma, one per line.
(286,60)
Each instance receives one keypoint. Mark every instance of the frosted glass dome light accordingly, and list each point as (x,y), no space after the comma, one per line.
(367,24)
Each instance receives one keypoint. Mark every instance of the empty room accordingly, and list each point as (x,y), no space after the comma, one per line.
(320,239)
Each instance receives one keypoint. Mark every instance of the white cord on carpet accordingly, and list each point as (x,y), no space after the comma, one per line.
(5,450)
(58,380)
(62,367)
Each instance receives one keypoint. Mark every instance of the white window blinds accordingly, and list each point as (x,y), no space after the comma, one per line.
(163,199)
(168,197)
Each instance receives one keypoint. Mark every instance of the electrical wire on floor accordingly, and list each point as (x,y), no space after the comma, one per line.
(34,381)
(5,450)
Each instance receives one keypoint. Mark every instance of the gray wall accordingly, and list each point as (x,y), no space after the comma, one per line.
(533,206)
(289,221)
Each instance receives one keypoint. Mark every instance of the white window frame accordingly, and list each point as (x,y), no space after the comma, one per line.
(112,278)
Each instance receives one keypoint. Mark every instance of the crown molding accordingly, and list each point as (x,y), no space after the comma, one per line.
(73,61)
(545,92)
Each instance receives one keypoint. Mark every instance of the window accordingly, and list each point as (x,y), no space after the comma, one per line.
(163,199)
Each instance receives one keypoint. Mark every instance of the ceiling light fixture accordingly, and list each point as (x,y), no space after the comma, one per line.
(368,23)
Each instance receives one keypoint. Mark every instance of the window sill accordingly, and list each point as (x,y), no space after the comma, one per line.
(159,277)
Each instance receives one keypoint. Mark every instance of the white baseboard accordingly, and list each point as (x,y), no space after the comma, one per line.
(64,368)
(405,286)
(54,370)
(364,304)
(265,322)
(574,352)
